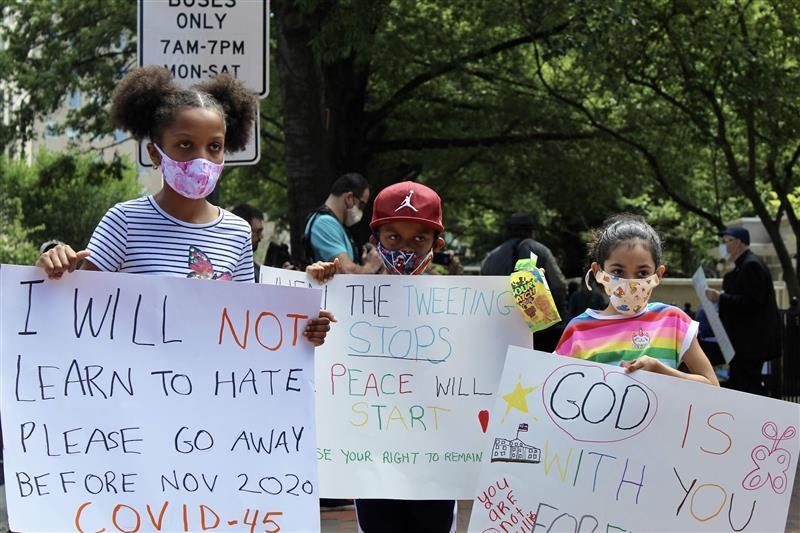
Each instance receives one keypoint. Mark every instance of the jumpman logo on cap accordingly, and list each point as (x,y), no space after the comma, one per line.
(407,202)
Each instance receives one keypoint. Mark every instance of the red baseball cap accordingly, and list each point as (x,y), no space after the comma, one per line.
(407,201)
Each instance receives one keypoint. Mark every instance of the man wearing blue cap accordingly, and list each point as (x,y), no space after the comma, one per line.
(748,310)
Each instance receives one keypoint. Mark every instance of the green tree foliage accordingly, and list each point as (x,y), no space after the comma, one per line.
(399,89)
(16,246)
(706,94)
(62,196)
(436,92)
(56,48)
(682,111)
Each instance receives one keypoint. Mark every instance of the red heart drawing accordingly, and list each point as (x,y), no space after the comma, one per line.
(483,418)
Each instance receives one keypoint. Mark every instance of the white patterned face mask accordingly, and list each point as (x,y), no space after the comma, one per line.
(628,296)
(193,179)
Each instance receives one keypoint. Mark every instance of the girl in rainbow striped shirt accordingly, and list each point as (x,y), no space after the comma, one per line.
(632,332)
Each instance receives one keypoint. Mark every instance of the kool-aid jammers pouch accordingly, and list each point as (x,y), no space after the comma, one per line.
(532,295)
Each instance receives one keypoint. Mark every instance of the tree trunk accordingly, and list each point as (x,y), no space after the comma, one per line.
(308,169)
(774,230)
(344,100)
(323,113)
(789,272)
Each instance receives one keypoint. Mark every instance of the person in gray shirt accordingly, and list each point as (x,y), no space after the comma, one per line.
(519,244)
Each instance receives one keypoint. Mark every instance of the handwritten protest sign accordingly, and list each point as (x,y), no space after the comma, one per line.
(700,285)
(151,403)
(580,446)
(405,381)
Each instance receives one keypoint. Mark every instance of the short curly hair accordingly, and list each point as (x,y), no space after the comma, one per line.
(147,99)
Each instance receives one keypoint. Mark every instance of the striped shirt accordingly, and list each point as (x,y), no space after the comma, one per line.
(661,331)
(138,237)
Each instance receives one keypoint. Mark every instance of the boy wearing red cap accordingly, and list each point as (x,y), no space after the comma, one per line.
(406,230)
(407,227)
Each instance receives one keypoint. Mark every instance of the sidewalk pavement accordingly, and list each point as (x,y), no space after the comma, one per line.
(345,521)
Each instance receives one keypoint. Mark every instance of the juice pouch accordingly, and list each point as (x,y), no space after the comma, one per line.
(532,295)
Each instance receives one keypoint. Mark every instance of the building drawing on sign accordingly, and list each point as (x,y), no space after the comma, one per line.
(514,450)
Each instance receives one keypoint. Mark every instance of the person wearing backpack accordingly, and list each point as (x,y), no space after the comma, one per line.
(519,244)
(327,237)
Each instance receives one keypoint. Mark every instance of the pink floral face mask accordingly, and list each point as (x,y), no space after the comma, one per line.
(193,179)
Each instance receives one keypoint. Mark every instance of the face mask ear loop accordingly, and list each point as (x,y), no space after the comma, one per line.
(161,152)
(657,281)
(586,279)
(424,264)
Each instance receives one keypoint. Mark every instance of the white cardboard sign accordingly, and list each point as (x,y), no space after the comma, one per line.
(156,404)
(405,381)
(582,446)
(700,285)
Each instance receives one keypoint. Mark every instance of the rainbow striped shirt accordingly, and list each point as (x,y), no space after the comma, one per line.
(661,331)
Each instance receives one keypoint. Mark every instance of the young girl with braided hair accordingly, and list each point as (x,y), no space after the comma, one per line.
(177,231)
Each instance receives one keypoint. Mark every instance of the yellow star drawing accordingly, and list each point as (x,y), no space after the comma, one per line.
(517,398)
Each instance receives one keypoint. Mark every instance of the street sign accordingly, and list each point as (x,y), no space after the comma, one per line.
(198,39)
